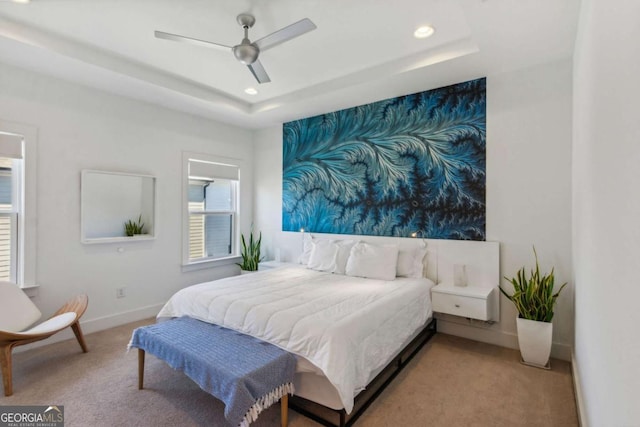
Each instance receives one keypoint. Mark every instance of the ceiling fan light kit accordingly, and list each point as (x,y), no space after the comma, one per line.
(247,52)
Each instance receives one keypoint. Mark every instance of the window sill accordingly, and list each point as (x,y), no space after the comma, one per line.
(201,265)
(120,239)
(30,290)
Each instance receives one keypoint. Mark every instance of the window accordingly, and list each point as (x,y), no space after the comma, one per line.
(212,209)
(12,208)
(211,218)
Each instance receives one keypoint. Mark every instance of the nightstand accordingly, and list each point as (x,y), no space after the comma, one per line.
(268,265)
(466,301)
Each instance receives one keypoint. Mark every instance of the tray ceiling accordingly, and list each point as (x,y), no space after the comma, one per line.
(361,51)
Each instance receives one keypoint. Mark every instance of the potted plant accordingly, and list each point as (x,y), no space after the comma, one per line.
(251,252)
(132,228)
(534,299)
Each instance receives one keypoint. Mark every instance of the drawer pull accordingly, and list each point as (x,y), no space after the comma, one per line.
(457,305)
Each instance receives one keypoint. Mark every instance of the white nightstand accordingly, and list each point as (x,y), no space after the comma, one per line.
(466,301)
(268,265)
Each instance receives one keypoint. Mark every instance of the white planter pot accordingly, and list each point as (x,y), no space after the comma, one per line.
(534,339)
(246,271)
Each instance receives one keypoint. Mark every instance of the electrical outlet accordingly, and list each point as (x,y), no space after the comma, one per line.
(120,293)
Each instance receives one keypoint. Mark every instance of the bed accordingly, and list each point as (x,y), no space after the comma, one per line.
(353,310)
(343,330)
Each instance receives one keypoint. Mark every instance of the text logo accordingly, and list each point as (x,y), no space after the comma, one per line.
(32,416)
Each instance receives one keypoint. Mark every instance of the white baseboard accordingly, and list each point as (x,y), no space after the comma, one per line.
(98,324)
(494,336)
(577,387)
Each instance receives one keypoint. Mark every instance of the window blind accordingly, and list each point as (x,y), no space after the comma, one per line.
(11,145)
(210,171)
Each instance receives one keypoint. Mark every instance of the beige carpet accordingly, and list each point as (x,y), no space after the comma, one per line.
(451,382)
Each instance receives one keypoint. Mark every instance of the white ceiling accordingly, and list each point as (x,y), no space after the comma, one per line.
(362,50)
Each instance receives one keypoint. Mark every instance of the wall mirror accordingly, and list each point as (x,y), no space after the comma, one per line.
(108,200)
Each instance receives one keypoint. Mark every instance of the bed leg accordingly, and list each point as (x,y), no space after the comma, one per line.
(343,414)
(284,411)
(140,368)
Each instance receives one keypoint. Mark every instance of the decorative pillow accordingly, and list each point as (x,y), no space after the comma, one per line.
(411,262)
(344,251)
(323,256)
(373,262)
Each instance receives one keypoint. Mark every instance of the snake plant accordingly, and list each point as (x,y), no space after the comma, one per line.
(533,296)
(251,252)
(134,227)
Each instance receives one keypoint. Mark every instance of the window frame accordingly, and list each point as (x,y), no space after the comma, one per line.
(26,215)
(187,262)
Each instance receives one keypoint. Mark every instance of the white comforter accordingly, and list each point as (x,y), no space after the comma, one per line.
(346,326)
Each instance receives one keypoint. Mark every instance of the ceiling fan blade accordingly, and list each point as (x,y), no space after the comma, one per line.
(183,39)
(258,72)
(285,34)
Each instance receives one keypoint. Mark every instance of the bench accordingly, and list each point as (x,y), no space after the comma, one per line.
(247,374)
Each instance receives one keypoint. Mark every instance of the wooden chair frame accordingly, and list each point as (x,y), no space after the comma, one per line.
(9,340)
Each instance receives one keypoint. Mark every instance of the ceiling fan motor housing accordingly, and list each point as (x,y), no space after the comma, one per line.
(246,52)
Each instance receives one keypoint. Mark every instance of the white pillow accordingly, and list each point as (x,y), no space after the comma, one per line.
(411,262)
(373,262)
(344,251)
(344,248)
(306,249)
(324,254)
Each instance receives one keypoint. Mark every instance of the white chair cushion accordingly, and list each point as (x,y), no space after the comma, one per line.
(54,324)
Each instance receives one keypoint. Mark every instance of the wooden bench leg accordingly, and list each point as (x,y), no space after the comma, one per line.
(284,410)
(140,368)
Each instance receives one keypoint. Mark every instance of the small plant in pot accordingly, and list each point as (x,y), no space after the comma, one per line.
(250,252)
(534,299)
(132,228)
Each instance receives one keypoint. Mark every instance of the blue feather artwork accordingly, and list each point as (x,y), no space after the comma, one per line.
(410,164)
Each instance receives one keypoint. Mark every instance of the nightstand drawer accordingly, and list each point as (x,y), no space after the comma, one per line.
(475,308)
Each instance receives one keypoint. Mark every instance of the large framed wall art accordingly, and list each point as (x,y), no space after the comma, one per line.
(410,165)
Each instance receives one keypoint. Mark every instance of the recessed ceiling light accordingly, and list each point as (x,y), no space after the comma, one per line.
(251,91)
(21,1)
(424,32)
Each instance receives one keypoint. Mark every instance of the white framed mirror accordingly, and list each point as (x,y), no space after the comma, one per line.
(109,200)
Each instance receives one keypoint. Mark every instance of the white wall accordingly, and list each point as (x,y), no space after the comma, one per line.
(528,189)
(606,210)
(529,183)
(81,128)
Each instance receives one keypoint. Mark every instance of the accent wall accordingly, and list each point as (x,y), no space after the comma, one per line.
(528,192)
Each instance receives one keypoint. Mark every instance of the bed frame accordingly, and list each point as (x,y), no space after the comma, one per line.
(339,418)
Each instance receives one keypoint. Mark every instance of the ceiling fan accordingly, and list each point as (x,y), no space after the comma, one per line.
(247,52)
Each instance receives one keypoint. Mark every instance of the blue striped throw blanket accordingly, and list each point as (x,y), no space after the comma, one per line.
(247,374)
